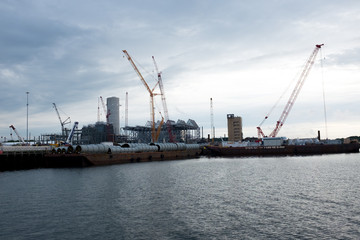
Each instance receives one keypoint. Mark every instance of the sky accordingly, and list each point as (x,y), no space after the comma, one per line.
(242,54)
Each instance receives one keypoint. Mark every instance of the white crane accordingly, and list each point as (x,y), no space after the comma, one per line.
(17,134)
(63,123)
(71,134)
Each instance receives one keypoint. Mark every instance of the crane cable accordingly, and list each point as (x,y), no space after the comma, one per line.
(323,90)
(156,105)
(144,70)
(281,96)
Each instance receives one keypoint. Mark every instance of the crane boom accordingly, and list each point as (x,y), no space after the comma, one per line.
(163,99)
(17,134)
(152,113)
(308,65)
(62,123)
(137,71)
(71,134)
(106,112)
(98,112)
(159,127)
(126,109)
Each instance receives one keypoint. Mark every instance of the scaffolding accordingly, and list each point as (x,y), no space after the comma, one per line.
(53,138)
(188,132)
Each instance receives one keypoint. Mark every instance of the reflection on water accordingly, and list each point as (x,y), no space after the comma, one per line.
(206,198)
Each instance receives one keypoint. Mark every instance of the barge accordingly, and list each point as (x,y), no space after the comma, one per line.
(279,147)
(29,157)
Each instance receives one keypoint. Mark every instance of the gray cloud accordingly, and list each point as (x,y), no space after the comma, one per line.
(70,52)
(347,57)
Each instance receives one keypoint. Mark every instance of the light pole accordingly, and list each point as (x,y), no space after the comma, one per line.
(27,116)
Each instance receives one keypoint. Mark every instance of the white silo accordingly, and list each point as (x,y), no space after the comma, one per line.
(114,117)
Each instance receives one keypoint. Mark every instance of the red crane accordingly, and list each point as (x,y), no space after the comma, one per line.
(162,92)
(309,63)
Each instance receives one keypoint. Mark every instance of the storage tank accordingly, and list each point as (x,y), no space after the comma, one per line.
(64,150)
(152,148)
(139,147)
(26,148)
(117,149)
(92,148)
(146,148)
(131,145)
(192,146)
(70,149)
(167,146)
(181,146)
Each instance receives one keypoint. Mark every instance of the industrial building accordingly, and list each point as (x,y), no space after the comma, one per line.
(180,131)
(234,125)
(97,133)
(109,131)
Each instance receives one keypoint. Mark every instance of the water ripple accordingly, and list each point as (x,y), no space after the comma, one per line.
(314,197)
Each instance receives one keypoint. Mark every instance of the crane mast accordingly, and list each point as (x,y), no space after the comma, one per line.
(126,112)
(308,65)
(151,92)
(159,127)
(163,99)
(98,112)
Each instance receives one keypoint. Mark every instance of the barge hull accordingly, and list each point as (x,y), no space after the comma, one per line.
(119,158)
(315,149)
(14,160)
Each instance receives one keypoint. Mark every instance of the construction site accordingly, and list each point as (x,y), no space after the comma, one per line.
(105,142)
(165,130)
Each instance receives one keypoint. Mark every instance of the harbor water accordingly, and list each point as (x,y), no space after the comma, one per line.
(309,197)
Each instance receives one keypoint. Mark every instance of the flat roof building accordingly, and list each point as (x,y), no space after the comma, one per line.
(234,125)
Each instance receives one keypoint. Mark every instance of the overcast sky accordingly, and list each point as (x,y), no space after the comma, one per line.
(243,54)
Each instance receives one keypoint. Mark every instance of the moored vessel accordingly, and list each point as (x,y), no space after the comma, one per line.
(280,147)
(15,158)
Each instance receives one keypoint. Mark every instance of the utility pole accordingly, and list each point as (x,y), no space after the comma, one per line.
(212,120)
(27,116)
(126,112)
